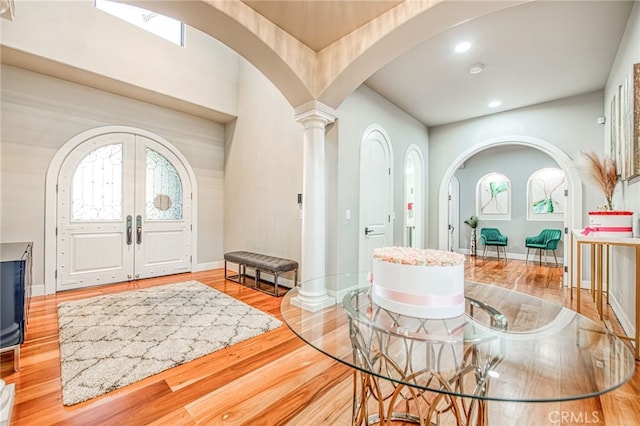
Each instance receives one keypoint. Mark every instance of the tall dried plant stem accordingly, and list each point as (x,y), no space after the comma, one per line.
(603,173)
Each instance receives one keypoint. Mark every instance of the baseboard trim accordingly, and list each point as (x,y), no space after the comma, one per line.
(37,290)
(515,256)
(209,265)
(625,322)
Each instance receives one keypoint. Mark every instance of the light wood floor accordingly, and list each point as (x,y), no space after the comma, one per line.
(273,379)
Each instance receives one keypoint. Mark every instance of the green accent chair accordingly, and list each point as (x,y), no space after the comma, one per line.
(547,240)
(493,237)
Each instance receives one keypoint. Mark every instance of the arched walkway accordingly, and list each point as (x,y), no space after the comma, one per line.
(330,75)
(573,215)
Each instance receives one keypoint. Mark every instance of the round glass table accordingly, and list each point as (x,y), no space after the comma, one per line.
(508,346)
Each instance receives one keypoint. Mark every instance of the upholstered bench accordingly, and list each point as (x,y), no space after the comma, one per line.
(260,263)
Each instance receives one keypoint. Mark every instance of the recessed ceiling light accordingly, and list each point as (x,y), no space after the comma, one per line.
(462,47)
(476,68)
(494,104)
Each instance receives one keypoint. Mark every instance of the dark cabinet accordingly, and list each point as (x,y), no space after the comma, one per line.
(15,293)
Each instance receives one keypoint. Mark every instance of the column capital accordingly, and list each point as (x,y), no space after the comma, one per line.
(314,111)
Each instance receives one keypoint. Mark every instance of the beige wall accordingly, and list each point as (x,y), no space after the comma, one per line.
(100,50)
(263,171)
(40,113)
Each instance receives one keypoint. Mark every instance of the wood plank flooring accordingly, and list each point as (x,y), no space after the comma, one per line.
(273,379)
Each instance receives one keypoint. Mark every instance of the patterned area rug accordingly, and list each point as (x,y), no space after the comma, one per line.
(108,342)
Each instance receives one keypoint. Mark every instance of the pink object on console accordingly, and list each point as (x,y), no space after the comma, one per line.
(610,224)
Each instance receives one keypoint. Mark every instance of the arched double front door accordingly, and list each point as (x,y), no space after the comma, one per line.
(124,207)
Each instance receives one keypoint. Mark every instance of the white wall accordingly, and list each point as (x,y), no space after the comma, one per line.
(263,171)
(627,195)
(569,124)
(74,37)
(361,109)
(40,113)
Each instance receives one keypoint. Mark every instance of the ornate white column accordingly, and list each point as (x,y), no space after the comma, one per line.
(312,296)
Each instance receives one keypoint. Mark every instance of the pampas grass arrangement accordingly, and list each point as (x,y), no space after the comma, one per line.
(601,172)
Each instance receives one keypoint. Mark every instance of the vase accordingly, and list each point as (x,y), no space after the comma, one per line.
(610,224)
(473,242)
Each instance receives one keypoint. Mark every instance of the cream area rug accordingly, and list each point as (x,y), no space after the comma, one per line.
(108,342)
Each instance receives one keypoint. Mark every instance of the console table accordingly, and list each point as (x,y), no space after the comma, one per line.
(600,270)
(15,293)
(507,347)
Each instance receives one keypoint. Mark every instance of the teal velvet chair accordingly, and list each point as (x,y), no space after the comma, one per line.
(493,237)
(548,239)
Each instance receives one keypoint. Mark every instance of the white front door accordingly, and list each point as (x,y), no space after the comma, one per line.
(124,212)
(375,197)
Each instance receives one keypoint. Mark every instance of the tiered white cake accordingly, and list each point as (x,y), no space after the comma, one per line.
(421,283)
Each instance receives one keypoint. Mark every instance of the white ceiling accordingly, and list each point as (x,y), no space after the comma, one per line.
(532,53)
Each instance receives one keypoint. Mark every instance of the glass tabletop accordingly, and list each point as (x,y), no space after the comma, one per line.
(508,346)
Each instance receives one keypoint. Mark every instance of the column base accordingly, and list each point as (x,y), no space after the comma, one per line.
(312,303)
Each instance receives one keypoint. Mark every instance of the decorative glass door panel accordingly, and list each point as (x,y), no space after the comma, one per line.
(121,212)
(163,189)
(162,211)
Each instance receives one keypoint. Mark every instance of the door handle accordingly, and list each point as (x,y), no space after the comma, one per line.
(139,229)
(367,231)
(129,230)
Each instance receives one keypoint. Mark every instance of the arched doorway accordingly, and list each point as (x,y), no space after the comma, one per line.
(454,214)
(573,213)
(376,194)
(123,209)
(414,198)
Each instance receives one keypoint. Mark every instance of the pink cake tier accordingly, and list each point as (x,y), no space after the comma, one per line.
(422,283)
(610,224)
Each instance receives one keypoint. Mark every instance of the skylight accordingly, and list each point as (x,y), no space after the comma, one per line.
(160,25)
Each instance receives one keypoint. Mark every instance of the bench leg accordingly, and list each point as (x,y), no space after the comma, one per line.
(239,278)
